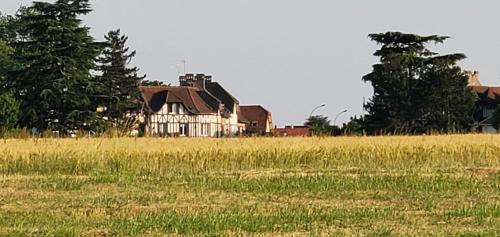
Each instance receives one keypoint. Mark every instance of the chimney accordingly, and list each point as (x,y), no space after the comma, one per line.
(473,78)
(199,80)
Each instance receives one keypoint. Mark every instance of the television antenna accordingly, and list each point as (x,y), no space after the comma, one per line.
(181,67)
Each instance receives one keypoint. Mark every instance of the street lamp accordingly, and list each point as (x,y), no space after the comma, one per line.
(319,106)
(338,115)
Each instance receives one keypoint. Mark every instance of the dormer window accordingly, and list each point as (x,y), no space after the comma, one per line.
(176,108)
(173,108)
(180,109)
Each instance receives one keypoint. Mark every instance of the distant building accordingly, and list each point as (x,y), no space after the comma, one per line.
(292,131)
(489,99)
(258,119)
(229,105)
(199,107)
(181,111)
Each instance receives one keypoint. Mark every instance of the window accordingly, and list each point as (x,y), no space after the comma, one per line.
(162,129)
(169,108)
(184,129)
(180,109)
(204,129)
(254,124)
(174,108)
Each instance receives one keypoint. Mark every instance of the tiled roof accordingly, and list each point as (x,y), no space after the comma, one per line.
(489,92)
(154,97)
(292,132)
(224,96)
(192,98)
(256,113)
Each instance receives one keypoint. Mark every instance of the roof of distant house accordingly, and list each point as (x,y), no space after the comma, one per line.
(490,92)
(292,131)
(204,82)
(254,112)
(194,100)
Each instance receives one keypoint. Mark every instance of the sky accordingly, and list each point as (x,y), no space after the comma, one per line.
(290,55)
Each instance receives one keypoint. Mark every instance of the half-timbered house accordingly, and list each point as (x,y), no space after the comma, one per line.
(196,108)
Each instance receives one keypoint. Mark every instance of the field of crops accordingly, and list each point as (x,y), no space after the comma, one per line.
(383,186)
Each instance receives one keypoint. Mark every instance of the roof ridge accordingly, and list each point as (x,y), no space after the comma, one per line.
(166,87)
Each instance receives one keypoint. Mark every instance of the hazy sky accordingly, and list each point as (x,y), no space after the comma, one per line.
(291,55)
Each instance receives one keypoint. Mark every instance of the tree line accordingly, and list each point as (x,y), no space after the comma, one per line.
(55,76)
(416,90)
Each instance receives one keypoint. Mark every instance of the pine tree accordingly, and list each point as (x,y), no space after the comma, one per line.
(119,83)
(55,86)
(449,104)
(9,111)
(415,89)
(7,63)
(9,107)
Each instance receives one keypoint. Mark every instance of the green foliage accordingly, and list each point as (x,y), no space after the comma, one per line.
(49,59)
(415,89)
(8,26)
(9,112)
(118,84)
(55,87)
(152,83)
(9,107)
(7,63)
(319,125)
(354,126)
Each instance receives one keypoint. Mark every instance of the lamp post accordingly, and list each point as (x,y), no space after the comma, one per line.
(317,107)
(338,115)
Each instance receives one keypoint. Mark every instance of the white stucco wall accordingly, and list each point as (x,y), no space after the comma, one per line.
(230,125)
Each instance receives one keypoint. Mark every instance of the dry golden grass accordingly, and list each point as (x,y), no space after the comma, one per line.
(368,186)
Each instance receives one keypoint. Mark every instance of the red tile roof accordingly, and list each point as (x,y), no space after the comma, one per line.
(487,91)
(256,113)
(292,132)
(191,97)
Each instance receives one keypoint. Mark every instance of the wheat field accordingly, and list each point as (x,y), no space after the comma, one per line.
(350,186)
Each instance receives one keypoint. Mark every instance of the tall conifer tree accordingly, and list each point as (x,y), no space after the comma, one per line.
(55,86)
(415,89)
(119,83)
(7,52)
(9,107)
